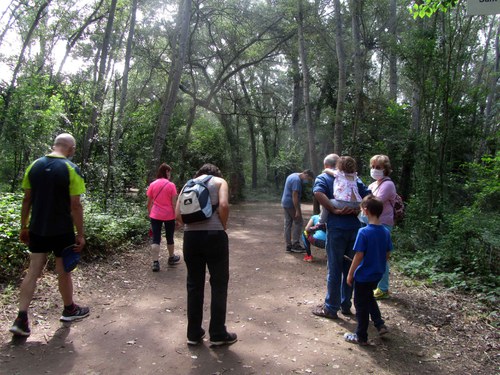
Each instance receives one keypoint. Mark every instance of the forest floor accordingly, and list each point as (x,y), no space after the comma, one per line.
(138,318)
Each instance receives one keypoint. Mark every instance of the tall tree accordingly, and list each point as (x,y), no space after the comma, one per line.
(174,78)
(100,87)
(311,129)
(342,79)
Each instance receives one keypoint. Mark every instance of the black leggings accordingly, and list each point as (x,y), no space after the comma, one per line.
(169,230)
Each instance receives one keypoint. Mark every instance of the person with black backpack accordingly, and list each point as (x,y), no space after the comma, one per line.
(203,208)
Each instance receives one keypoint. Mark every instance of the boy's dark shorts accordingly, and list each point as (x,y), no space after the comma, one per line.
(46,244)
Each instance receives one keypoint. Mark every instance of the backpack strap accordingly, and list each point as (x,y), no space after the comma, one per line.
(206,178)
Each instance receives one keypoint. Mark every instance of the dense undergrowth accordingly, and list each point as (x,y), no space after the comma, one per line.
(122,224)
(457,245)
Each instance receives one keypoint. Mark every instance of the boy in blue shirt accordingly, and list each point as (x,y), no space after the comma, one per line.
(372,250)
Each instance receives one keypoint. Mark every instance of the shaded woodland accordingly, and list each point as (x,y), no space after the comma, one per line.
(265,88)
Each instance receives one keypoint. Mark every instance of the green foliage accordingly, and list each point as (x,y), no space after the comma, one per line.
(207,144)
(13,254)
(34,115)
(125,223)
(460,248)
(429,7)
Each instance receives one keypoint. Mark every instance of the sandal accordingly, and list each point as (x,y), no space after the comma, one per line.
(324,313)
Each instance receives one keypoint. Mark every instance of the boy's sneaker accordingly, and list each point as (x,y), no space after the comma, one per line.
(173,260)
(382,330)
(229,339)
(288,248)
(20,327)
(353,339)
(308,258)
(380,294)
(156,266)
(197,342)
(76,314)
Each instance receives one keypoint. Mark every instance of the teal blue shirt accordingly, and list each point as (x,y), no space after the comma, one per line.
(292,183)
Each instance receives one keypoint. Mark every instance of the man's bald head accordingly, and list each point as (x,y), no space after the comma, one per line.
(65,144)
(330,161)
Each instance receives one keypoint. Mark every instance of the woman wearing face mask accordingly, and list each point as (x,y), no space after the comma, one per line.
(384,189)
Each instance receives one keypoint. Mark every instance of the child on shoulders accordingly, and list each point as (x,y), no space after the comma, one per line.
(372,250)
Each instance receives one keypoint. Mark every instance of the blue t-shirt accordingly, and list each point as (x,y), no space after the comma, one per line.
(292,183)
(324,184)
(375,242)
(319,234)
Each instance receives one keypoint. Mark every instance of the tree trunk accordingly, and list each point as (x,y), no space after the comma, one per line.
(311,130)
(488,124)
(341,91)
(356,9)
(172,89)
(100,88)
(251,130)
(393,72)
(73,39)
(126,68)
(492,126)
(296,98)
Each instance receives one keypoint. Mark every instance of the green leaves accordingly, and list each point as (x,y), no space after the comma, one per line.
(429,7)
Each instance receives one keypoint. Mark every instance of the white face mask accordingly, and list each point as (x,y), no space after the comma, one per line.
(376,174)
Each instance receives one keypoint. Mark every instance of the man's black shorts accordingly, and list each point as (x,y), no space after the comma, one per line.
(47,244)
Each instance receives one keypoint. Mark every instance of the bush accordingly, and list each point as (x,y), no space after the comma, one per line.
(461,249)
(13,254)
(124,224)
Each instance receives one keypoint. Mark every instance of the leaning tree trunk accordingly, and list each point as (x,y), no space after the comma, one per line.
(100,89)
(172,89)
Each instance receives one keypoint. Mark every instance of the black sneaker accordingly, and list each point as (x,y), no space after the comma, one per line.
(296,248)
(77,313)
(174,259)
(229,339)
(288,248)
(156,266)
(197,342)
(20,327)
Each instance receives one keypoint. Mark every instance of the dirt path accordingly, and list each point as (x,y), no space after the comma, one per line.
(138,319)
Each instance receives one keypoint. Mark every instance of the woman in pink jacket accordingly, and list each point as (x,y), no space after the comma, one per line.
(384,189)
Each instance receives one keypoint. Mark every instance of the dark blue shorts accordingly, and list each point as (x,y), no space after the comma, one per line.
(46,244)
